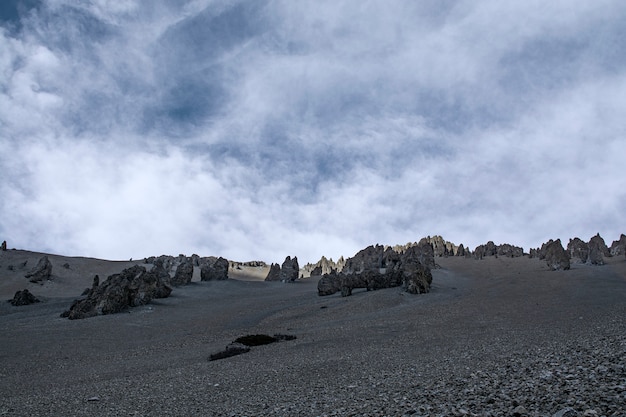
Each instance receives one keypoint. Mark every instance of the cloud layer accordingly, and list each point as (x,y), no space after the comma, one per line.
(256,130)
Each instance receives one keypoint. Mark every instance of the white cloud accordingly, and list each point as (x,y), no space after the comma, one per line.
(298,128)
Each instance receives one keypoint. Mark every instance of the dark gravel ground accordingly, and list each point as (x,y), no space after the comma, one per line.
(500,337)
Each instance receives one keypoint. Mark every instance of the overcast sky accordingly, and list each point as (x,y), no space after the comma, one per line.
(260,129)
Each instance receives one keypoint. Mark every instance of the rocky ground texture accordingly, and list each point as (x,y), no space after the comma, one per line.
(494,337)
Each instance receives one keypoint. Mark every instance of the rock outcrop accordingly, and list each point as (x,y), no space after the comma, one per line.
(41,272)
(555,256)
(23,298)
(578,250)
(618,247)
(131,288)
(378,267)
(183,274)
(597,250)
(491,249)
(289,271)
(323,266)
(216,270)
(509,251)
(274,273)
(488,249)
(3,247)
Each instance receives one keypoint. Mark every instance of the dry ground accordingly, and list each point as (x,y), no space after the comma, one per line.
(488,323)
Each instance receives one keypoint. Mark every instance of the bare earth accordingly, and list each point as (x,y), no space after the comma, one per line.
(493,336)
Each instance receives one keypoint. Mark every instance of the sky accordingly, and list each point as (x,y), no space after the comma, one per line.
(259,129)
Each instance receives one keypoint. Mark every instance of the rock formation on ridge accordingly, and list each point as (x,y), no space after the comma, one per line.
(377,267)
(618,247)
(597,250)
(555,256)
(323,266)
(288,272)
(578,250)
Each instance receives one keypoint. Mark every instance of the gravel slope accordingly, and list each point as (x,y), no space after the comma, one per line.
(494,337)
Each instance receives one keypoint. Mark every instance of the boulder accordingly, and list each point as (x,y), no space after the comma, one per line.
(131,288)
(274,273)
(214,270)
(417,278)
(183,274)
(289,271)
(555,256)
(3,248)
(578,250)
(41,271)
(597,250)
(329,284)
(23,298)
(461,250)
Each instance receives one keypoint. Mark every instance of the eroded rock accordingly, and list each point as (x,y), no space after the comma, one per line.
(578,250)
(555,256)
(41,272)
(216,270)
(23,298)
(131,288)
(274,273)
(597,250)
(377,267)
(183,274)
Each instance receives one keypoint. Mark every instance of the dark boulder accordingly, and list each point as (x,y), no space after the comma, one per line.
(3,248)
(214,270)
(597,250)
(329,284)
(183,274)
(274,273)
(41,272)
(289,271)
(131,288)
(555,256)
(23,298)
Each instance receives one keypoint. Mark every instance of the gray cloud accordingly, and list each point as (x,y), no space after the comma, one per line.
(258,130)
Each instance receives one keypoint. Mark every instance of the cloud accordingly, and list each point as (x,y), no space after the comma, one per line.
(260,130)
